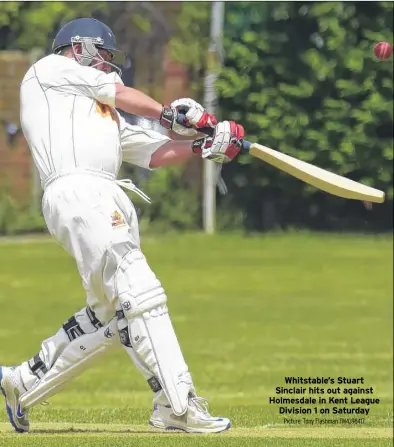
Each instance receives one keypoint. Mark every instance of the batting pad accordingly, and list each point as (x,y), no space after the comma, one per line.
(150,332)
(75,358)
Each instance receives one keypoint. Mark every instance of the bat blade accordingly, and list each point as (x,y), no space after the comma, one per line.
(317,177)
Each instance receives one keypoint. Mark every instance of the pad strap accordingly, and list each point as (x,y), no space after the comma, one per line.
(37,366)
(72,329)
(93,319)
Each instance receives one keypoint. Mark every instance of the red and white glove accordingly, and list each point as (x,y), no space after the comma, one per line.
(224,145)
(196,117)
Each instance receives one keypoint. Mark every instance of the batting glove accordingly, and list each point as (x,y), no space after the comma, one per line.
(224,145)
(195,117)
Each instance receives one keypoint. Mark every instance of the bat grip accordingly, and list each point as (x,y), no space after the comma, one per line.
(181,119)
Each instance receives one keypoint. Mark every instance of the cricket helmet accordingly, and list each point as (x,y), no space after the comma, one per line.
(92,35)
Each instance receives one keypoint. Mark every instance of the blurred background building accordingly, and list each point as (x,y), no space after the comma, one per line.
(301,77)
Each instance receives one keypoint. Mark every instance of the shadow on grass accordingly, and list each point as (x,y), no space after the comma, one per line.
(66,431)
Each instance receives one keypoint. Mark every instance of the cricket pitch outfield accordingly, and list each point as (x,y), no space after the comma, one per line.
(275,306)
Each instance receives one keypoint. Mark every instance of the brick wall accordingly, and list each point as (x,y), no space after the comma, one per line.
(15,167)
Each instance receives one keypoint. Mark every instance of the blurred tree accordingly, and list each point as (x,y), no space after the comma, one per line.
(314,91)
(191,40)
(302,79)
(143,30)
(27,25)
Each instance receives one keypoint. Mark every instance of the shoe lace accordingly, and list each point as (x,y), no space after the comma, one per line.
(185,378)
(200,403)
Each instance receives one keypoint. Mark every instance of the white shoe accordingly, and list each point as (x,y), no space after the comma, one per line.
(11,387)
(196,419)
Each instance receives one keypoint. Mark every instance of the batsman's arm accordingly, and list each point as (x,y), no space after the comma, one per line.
(150,149)
(171,153)
(133,101)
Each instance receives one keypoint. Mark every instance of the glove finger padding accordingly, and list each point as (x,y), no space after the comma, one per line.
(237,135)
(200,118)
(224,145)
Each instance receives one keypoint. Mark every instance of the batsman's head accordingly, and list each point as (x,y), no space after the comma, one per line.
(90,42)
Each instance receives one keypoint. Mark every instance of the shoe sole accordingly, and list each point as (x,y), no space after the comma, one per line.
(171,428)
(8,408)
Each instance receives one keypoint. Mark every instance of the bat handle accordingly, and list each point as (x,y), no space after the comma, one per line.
(245,146)
(210,131)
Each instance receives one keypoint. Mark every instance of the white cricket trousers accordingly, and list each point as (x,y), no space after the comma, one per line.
(88,215)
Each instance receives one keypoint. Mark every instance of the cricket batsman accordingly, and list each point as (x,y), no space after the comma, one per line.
(78,141)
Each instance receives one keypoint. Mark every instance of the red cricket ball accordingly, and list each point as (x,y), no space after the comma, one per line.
(382,50)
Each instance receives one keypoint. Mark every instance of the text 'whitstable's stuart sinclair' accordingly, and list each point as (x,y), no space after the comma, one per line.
(324,400)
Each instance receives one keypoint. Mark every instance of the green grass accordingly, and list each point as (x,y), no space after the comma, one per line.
(248,311)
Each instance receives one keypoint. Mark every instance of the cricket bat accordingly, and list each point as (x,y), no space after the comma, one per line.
(319,178)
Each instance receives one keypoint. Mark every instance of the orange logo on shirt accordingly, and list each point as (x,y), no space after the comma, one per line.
(117,219)
(106,111)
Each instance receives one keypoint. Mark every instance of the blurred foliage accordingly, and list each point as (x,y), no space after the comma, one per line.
(26,25)
(302,79)
(190,42)
(16,219)
(174,206)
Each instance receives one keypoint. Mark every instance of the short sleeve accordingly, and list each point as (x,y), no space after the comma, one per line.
(139,144)
(67,76)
